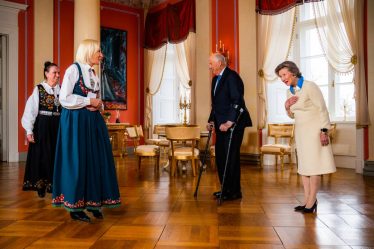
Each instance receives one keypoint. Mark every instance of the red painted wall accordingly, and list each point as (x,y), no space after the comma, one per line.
(225,28)
(25,63)
(63,35)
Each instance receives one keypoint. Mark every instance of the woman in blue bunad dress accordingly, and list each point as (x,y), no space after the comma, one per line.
(85,175)
(41,119)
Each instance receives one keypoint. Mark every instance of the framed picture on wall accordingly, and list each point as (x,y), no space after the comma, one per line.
(114,68)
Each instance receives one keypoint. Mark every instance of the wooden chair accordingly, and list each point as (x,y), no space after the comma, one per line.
(332,132)
(160,141)
(278,131)
(135,133)
(188,151)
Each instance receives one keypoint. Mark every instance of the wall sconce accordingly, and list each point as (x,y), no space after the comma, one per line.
(225,52)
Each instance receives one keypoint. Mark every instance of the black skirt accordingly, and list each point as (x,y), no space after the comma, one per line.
(41,154)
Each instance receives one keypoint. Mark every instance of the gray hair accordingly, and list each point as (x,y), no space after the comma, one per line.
(291,66)
(220,57)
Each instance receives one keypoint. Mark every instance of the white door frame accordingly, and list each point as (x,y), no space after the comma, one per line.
(9,27)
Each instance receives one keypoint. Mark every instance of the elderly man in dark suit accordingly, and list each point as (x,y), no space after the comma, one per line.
(227,101)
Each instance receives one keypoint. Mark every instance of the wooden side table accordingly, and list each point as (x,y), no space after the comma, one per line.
(117,135)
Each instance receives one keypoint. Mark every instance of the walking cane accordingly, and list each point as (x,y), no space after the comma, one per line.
(203,166)
(228,155)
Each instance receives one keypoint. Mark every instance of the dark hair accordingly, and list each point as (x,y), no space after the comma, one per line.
(47,66)
(291,66)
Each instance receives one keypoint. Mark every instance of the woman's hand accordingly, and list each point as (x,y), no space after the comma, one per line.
(290,102)
(324,137)
(30,138)
(226,126)
(91,108)
(210,126)
(96,103)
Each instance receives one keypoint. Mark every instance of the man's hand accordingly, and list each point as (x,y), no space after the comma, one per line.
(210,126)
(226,126)
(290,102)
(30,138)
(324,137)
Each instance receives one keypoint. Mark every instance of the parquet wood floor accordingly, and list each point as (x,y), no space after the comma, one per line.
(160,212)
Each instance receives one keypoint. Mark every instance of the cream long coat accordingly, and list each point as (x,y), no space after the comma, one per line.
(310,114)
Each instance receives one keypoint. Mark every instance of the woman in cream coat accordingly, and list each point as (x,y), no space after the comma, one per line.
(306,105)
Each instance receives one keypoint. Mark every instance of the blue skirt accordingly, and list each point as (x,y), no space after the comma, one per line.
(84,172)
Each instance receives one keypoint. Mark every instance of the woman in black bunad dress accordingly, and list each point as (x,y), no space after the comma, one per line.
(85,175)
(41,120)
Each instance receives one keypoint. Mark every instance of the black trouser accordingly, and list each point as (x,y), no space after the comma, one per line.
(232,178)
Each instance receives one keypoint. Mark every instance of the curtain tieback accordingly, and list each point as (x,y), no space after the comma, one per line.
(261,73)
(354,59)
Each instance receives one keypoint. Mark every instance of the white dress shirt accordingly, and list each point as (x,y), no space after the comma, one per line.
(74,101)
(32,106)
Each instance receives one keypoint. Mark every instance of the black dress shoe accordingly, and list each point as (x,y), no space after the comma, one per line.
(231,197)
(80,215)
(217,194)
(299,208)
(96,213)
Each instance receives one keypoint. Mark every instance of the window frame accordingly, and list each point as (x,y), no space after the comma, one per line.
(332,85)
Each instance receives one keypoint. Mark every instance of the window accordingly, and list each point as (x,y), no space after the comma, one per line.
(166,102)
(337,89)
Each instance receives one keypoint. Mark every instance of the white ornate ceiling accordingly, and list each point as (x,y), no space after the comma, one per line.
(144,4)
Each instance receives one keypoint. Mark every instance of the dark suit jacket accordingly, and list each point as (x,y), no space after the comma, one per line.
(229,95)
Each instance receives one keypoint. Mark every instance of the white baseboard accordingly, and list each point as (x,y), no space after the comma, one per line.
(348,162)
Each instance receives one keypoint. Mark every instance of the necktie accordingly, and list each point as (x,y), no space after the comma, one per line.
(92,82)
(217,81)
(56,101)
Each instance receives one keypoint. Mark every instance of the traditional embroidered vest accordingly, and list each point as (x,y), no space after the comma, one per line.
(48,102)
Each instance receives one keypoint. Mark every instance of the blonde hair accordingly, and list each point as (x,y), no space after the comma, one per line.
(87,48)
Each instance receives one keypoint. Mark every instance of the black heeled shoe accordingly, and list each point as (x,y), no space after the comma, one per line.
(40,188)
(299,208)
(80,215)
(49,188)
(312,209)
(96,213)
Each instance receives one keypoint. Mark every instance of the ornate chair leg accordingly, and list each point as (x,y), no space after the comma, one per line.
(158,162)
(139,162)
(173,166)
(193,166)
(281,158)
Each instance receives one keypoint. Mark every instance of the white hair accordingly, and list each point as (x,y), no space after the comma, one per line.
(220,57)
(87,48)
